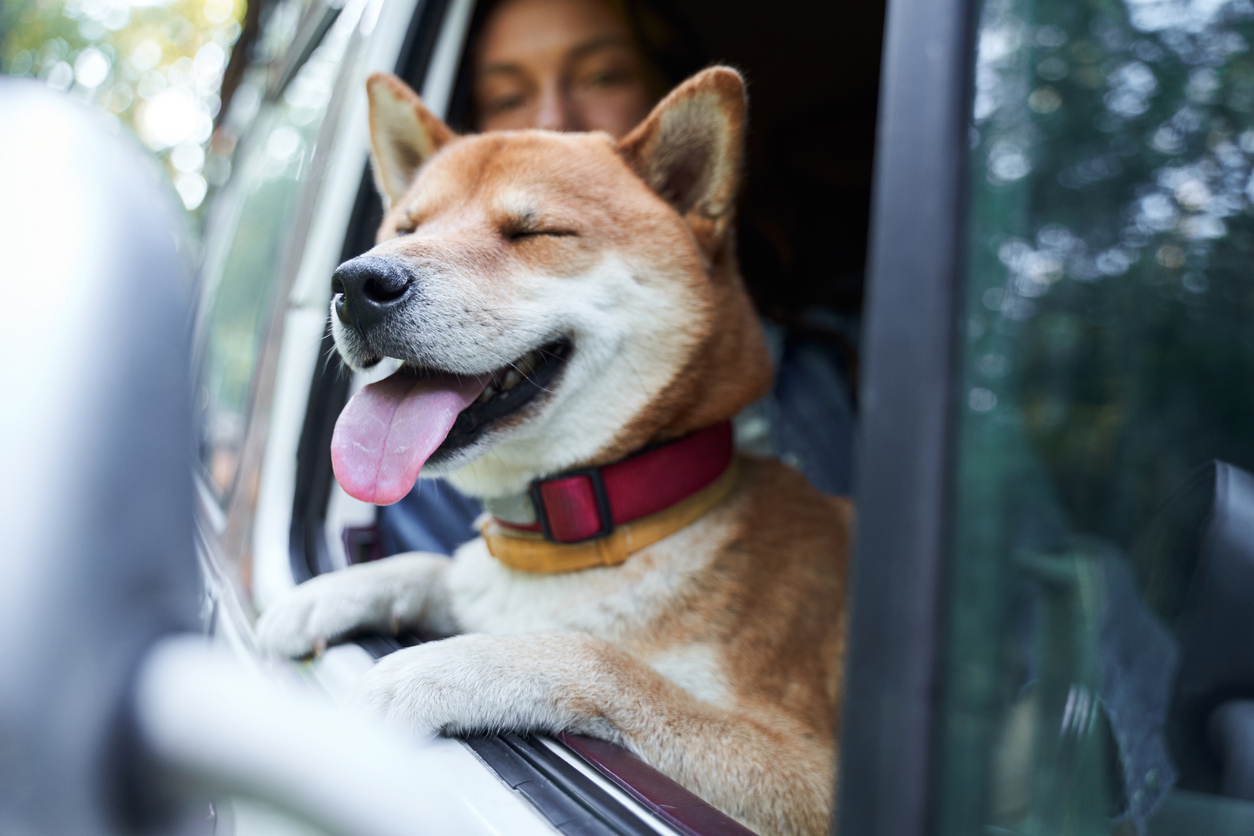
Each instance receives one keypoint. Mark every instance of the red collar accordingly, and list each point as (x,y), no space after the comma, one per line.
(588,503)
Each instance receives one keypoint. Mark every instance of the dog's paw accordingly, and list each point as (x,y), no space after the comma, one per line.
(322,610)
(479,683)
(379,596)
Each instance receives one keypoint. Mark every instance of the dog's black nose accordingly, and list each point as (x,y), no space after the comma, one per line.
(366,288)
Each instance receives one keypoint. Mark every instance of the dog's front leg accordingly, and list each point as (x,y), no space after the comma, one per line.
(407,590)
(765,770)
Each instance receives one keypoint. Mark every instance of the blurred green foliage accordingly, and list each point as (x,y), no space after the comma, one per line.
(1110,249)
(155,65)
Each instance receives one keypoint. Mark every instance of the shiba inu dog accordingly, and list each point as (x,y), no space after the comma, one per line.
(574,337)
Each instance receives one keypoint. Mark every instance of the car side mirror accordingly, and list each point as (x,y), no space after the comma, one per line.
(96,499)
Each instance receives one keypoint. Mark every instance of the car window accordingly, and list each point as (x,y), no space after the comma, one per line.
(1107,355)
(272,174)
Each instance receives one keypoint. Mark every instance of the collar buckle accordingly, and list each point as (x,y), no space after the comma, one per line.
(567,498)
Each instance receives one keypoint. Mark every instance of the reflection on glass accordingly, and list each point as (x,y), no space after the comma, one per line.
(274,171)
(1109,352)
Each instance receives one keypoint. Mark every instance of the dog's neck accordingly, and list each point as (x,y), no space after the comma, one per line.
(646,480)
(728,370)
(600,516)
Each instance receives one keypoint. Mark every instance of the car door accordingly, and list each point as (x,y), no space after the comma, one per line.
(1058,353)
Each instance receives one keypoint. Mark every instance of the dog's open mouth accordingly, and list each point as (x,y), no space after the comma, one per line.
(510,389)
(390,429)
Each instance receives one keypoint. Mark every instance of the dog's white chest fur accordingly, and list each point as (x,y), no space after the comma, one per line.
(624,604)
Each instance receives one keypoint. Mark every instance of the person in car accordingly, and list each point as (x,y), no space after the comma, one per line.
(601,65)
(564,65)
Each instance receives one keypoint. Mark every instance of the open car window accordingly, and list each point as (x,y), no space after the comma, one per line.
(330,529)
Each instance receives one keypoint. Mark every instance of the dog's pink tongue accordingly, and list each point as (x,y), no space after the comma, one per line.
(389,429)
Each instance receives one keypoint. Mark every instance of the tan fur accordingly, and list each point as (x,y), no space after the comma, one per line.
(714,654)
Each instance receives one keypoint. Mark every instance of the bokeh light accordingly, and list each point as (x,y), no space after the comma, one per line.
(156,66)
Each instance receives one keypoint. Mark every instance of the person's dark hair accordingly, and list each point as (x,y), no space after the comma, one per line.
(667,39)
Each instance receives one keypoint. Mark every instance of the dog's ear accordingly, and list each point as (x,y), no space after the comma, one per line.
(403,134)
(689,151)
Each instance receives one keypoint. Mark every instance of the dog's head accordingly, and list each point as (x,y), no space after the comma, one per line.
(556,300)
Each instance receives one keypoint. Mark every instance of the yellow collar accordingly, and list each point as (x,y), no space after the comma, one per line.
(531,552)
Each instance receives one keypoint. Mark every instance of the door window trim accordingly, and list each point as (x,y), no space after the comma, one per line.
(908,418)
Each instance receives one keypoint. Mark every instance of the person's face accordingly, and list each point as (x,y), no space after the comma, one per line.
(560,65)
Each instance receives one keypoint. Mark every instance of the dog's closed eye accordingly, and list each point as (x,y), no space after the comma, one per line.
(521,222)
(519,234)
(407,225)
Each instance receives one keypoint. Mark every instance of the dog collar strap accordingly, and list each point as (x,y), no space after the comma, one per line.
(599,516)
(530,552)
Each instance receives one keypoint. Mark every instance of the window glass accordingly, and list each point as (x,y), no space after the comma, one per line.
(273,174)
(1109,352)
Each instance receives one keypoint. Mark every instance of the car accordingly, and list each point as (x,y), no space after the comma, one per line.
(1054,556)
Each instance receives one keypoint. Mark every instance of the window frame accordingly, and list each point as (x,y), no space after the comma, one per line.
(905,449)
(316,24)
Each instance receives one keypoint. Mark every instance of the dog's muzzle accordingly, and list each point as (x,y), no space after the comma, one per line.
(367,289)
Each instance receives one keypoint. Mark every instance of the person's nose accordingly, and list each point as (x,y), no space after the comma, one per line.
(556,112)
